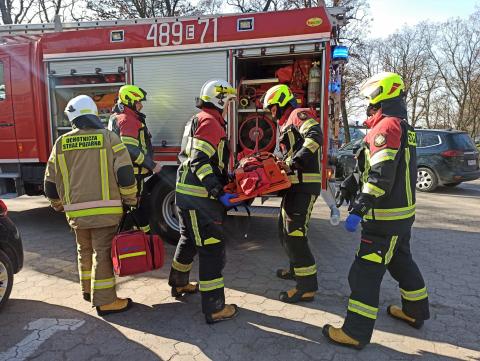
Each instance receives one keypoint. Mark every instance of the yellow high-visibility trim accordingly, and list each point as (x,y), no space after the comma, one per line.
(373,190)
(95,212)
(296,233)
(65,178)
(104,284)
(203,146)
(392,214)
(309,212)
(140,159)
(389,255)
(125,191)
(383,155)
(291,143)
(140,170)
(80,142)
(311,178)
(196,231)
(373,257)
(191,190)
(135,254)
(211,285)
(130,141)
(305,271)
(293,178)
(311,145)
(362,309)
(118,147)
(204,170)
(415,295)
(211,240)
(307,124)
(85,275)
(145,229)
(221,145)
(408,186)
(104,175)
(412,138)
(181,267)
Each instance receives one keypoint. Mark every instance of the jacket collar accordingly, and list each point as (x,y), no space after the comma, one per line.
(374,119)
(215,114)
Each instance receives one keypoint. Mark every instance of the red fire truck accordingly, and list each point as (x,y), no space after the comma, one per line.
(43,66)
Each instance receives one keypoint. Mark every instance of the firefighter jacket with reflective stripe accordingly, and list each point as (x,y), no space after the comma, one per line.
(89,172)
(388,167)
(204,160)
(131,128)
(301,145)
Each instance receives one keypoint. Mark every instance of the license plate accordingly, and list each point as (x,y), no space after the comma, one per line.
(472,162)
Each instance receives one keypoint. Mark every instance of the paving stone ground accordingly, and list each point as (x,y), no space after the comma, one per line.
(446,245)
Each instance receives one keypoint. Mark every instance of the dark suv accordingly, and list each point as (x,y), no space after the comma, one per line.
(445,157)
(11,254)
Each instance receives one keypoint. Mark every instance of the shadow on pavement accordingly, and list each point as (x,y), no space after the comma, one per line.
(67,334)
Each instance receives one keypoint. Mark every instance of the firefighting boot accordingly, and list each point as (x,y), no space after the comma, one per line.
(227,313)
(336,335)
(397,312)
(285,274)
(294,296)
(188,289)
(86,296)
(117,306)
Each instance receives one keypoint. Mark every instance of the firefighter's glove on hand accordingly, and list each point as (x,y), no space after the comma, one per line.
(352,221)
(347,192)
(225,199)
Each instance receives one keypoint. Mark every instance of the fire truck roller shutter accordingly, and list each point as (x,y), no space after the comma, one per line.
(172,82)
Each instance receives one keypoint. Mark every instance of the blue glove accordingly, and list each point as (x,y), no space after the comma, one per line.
(352,221)
(225,199)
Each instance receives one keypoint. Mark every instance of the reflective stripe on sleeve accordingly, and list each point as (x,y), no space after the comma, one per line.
(140,159)
(415,295)
(311,145)
(65,177)
(181,267)
(383,155)
(191,190)
(362,309)
(305,271)
(211,285)
(85,275)
(203,171)
(203,146)
(130,141)
(221,145)
(125,191)
(373,190)
(305,127)
(118,147)
(103,284)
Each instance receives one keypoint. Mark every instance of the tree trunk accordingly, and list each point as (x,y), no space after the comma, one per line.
(6,16)
(343,106)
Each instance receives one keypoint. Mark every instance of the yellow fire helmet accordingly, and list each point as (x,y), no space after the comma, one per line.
(278,94)
(130,94)
(382,86)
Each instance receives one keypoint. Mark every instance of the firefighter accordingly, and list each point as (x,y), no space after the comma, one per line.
(300,145)
(129,123)
(201,202)
(89,175)
(383,201)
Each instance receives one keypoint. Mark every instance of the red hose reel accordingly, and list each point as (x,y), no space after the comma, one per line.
(257,126)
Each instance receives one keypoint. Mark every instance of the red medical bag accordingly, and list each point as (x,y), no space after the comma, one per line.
(135,252)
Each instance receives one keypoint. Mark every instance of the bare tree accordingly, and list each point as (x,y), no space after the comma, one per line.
(15,12)
(122,9)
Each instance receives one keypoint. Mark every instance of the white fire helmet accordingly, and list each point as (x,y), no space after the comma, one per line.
(80,105)
(217,92)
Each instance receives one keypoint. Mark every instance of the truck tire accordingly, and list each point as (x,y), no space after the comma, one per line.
(6,278)
(427,180)
(164,219)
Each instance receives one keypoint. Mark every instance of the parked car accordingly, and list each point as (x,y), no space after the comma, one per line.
(445,157)
(11,254)
(345,159)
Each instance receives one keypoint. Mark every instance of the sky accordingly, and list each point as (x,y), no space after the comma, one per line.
(390,15)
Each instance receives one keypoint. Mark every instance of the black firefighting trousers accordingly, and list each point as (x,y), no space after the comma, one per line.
(295,215)
(141,213)
(378,252)
(202,232)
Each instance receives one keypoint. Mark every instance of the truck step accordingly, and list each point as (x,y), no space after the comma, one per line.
(256,211)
